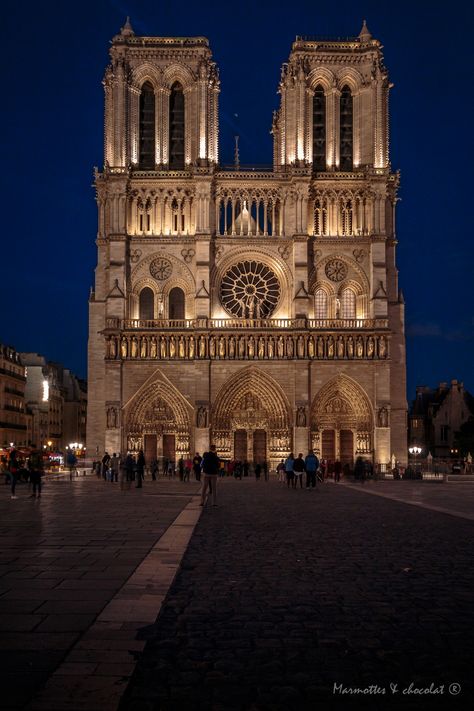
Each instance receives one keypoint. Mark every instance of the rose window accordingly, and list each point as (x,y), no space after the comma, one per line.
(336,270)
(250,290)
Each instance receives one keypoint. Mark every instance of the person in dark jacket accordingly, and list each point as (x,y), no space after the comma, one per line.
(298,468)
(140,469)
(36,467)
(311,464)
(210,470)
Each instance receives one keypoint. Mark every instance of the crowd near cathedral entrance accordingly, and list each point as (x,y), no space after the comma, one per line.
(259,309)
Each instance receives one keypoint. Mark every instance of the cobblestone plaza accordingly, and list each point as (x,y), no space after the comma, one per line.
(281,594)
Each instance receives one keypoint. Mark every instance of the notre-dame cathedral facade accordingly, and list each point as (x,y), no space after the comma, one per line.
(255,309)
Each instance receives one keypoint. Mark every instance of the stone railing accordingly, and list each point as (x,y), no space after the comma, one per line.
(238,324)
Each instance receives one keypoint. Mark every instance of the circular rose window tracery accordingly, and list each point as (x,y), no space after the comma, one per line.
(250,289)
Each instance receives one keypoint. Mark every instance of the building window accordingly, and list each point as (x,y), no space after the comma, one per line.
(176,303)
(176,147)
(146,308)
(346,130)
(348,303)
(320,217)
(319,129)
(346,217)
(147,127)
(321,304)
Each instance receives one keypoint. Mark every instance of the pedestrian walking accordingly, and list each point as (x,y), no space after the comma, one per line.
(290,475)
(258,470)
(181,468)
(337,471)
(114,466)
(210,470)
(140,469)
(71,461)
(197,466)
(311,464)
(105,465)
(154,469)
(281,471)
(246,468)
(265,470)
(298,468)
(359,470)
(129,467)
(36,468)
(13,470)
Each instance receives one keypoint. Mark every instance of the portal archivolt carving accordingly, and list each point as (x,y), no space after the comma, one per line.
(342,404)
(158,409)
(252,400)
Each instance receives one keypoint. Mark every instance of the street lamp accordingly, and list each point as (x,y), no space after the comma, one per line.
(414,451)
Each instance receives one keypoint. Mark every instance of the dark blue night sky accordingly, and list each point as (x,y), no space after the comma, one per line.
(54,56)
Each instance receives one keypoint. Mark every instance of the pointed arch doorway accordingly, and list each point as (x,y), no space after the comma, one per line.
(251,419)
(157,420)
(342,421)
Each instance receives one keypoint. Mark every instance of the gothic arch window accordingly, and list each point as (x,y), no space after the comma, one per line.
(176,303)
(348,304)
(147,127)
(319,129)
(320,217)
(176,119)
(146,303)
(346,216)
(321,304)
(346,130)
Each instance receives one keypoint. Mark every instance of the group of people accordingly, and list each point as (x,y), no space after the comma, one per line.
(292,470)
(30,469)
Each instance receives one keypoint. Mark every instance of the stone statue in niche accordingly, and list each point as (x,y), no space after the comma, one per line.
(261,347)
(382,347)
(370,347)
(350,347)
(191,347)
(301,417)
(112,418)
(202,347)
(330,347)
(359,348)
(300,347)
(222,347)
(320,348)
(251,347)
(172,347)
(232,347)
(383,417)
(134,349)
(311,347)
(124,348)
(340,347)
(212,347)
(202,417)
(280,347)
(289,347)
(113,348)
(153,349)
(181,347)
(270,348)
(162,347)
(143,347)
(241,347)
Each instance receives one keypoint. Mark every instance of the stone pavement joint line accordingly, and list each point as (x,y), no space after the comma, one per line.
(95,673)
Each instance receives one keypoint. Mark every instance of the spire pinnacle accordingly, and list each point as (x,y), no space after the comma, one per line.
(364,34)
(127,29)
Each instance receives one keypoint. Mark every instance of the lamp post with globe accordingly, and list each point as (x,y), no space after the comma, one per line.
(414,451)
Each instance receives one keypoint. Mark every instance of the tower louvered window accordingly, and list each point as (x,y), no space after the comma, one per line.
(346,217)
(319,129)
(320,217)
(147,128)
(346,130)
(176,147)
